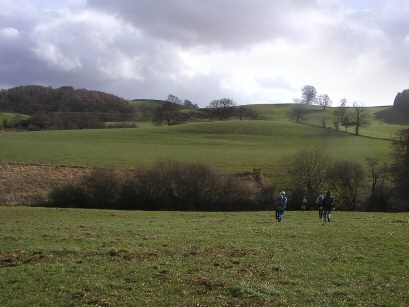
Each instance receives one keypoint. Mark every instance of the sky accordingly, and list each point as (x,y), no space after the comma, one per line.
(254,51)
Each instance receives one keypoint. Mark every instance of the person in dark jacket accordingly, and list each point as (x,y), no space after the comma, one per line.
(281,206)
(319,202)
(328,206)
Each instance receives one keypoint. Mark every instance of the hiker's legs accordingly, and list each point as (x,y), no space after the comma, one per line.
(327,215)
(280,215)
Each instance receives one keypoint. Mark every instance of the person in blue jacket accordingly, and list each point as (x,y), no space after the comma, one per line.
(281,206)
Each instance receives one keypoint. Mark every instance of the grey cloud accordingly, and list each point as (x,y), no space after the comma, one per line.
(225,23)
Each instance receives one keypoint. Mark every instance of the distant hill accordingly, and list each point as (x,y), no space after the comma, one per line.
(32,99)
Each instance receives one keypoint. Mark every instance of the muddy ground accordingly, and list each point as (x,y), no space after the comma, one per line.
(27,184)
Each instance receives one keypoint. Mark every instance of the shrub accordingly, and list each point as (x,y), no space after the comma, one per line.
(166,186)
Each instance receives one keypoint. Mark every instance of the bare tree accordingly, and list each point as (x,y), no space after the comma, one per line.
(222,108)
(168,113)
(324,101)
(341,116)
(345,179)
(244,112)
(309,94)
(189,104)
(400,164)
(174,99)
(379,175)
(298,110)
(307,170)
(360,117)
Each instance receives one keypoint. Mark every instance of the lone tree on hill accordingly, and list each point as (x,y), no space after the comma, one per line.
(174,99)
(222,108)
(342,115)
(360,117)
(309,94)
(324,101)
(298,110)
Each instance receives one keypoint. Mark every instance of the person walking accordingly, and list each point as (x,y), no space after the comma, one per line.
(328,206)
(304,203)
(319,202)
(281,206)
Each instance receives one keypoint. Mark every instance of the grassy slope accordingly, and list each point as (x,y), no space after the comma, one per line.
(232,145)
(74,257)
(385,121)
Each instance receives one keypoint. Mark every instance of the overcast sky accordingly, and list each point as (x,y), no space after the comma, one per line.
(254,51)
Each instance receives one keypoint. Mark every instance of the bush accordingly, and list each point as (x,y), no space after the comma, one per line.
(166,186)
(99,189)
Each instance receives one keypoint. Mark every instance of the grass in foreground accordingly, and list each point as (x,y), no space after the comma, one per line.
(73,257)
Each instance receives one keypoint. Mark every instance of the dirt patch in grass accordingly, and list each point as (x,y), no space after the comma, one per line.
(28,184)
(21,257)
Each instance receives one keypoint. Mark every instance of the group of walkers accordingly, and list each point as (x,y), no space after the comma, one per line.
(325,204)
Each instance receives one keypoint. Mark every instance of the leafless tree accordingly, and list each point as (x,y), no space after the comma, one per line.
(400,164)
(324,101)
(174,99)
(345,179)
(341,115)
(307,170)
(360,116)
(222,108)
(298,110)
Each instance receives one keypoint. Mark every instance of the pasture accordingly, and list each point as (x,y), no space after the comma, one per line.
(99,257)
(232,146)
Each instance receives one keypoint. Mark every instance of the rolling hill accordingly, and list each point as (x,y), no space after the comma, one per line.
(230,145)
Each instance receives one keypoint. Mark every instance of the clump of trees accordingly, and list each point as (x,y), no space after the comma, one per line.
(354,186)
(31,99)
(174,111)
(222,109)
(402,102)
(167,186)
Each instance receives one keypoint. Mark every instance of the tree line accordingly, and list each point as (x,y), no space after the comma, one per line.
(34,98)
(375,186)
(175,111)
(62,108)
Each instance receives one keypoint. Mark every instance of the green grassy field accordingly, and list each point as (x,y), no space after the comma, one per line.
(52,257)
(232,145)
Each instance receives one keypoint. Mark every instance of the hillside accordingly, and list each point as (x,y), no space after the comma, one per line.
(231,145)
(386,121)
(32,99)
